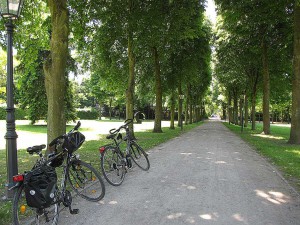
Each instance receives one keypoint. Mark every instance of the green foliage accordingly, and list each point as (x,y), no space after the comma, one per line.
(242,28)
(3,57)
(88,114)
(177,29)
(34,98)
(20,114)
(2,114)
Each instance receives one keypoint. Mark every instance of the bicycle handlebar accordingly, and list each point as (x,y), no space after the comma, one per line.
(124,126)
(77,126)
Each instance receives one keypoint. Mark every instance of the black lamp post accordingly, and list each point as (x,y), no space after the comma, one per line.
(10,10)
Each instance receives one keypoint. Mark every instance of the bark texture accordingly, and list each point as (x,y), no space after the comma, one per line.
(295,123)
(266,89)
(158,92)
(131,76)
(55,69)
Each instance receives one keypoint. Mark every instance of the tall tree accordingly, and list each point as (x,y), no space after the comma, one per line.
(131,65)
(267,34)
(55,68)
(295,124)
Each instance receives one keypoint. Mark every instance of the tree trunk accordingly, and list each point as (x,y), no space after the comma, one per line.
(266,89)
(187,106)
(230,117)
(235,108)
(246,108)
(253,76)
(158,93)
(55,69)
(110,108)
(191,113)
(190,105)
(172,112)
(295,123)
(179,105)
(253,105)
(131,77)
(241,104)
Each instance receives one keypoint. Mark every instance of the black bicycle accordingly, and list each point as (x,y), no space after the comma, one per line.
(115,162)
(38,196)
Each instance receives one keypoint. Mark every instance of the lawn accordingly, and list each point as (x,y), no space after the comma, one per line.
(88,152)
(275,148)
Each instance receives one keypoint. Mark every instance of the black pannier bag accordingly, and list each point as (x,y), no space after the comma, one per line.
(74,141)
(40,187)
(56,156)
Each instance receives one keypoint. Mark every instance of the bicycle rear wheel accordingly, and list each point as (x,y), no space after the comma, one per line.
(112,166)
(139,156)
(25,215)
(85,180)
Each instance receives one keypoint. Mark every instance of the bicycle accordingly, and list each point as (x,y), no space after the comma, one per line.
(115,162)
(34,207)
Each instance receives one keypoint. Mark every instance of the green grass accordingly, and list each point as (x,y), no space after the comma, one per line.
(275,148)
(88,152)
(41,128)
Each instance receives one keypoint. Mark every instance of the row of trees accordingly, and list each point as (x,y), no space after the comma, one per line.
(257,53)
(143,50)
(148,50)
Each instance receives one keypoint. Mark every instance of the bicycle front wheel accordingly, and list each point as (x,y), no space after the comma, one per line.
(139,156)
(112,166)
(25,215)
(85,180)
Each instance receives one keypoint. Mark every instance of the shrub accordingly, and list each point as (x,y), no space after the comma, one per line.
(88,114)
(20,114)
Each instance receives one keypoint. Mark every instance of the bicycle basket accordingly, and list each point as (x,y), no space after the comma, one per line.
(74,141)
(40,187)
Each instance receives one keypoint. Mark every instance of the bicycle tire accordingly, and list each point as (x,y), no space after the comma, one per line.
(85,180)
(113,166)
(25,215)
(139,156)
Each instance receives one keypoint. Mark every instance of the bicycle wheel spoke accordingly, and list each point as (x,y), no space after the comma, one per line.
(113,167)
(85,181)
(139,156)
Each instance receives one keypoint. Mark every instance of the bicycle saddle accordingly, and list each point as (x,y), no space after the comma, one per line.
(35,149)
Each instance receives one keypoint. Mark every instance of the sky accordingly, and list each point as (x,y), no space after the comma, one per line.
(210,10)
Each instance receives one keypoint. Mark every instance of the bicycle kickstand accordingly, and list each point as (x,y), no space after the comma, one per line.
(73,211)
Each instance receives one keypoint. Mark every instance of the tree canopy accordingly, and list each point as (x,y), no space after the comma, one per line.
(144,54)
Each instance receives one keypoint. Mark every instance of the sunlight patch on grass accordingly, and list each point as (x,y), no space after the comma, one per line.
(297,152)
(268,136)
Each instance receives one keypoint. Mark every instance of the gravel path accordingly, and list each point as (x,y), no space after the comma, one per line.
(205,176)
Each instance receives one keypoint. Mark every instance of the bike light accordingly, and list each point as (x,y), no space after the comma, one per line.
(22,209)
(18,178)
(102,149)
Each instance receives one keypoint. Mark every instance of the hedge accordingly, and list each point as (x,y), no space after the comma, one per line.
(20,114)
(88,115)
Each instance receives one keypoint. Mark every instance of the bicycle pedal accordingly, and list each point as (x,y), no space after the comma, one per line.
(74,211)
